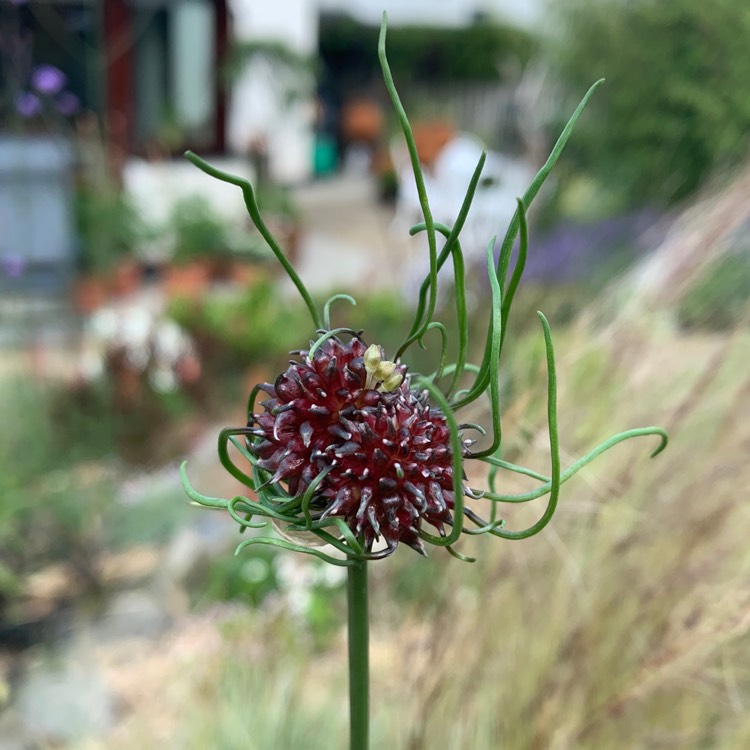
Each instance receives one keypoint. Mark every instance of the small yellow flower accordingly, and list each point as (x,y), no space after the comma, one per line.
(391,383)
(373,357)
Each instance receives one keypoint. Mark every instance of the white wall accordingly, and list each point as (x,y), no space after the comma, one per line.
(156,187)
(258,107)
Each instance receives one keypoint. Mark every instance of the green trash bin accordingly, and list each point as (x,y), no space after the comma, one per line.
(325,156)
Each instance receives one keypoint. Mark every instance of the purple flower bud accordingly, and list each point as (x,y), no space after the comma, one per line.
(68,104)
(49,80)
(28,104)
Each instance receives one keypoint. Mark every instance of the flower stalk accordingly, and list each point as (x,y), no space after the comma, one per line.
(353,450)
(359,656)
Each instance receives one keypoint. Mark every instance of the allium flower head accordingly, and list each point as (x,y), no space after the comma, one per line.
(353,450)
(384,451)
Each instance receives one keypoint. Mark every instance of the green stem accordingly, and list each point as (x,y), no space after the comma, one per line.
(359,660)
(251,204)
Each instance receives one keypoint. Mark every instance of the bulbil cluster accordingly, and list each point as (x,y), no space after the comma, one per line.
(347,412)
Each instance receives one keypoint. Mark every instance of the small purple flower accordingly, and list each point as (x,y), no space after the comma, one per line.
(49,80)
(28,105)
(68,104)
(12,266)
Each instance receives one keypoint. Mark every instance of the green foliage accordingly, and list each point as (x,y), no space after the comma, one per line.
(239,330)
(276,201)
(258,326)
(58,480)
(427,53)
(159,513)
(240,578)
(98,421)
(108,226)
(323,617)
(10,583)
(288,710)
(33,445)
(198,231)
(676,104)
(720,299)
(382,315)
(36,485)
(469,53)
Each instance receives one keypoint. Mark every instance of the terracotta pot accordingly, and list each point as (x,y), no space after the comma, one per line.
(362,121)
(430,138)
(190,280)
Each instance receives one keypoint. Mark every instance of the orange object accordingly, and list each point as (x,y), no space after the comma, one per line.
(430,139)
(362,121)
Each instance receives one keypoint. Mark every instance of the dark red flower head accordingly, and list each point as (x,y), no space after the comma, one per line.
(349,413)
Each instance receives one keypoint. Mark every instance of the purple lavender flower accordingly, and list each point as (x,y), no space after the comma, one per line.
(68,104)
(574,251)
(28,105)
(48,80)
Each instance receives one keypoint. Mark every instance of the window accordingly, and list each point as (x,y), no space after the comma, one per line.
(174,71)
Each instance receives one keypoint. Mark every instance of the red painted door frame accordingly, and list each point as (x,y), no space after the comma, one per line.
(119,105)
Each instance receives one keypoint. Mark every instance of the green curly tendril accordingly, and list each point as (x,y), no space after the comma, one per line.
(300,516)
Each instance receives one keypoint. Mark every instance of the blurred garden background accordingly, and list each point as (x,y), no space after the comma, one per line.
(138,307)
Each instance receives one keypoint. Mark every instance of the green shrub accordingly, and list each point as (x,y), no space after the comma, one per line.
(198,231)
(59,476)
(676,104)
(41,502)
(425,53)
(234,331)
(108,227)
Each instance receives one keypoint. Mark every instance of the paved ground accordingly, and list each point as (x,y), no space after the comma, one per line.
(349,241)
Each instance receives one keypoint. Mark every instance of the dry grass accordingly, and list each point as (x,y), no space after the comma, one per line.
(624,625)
